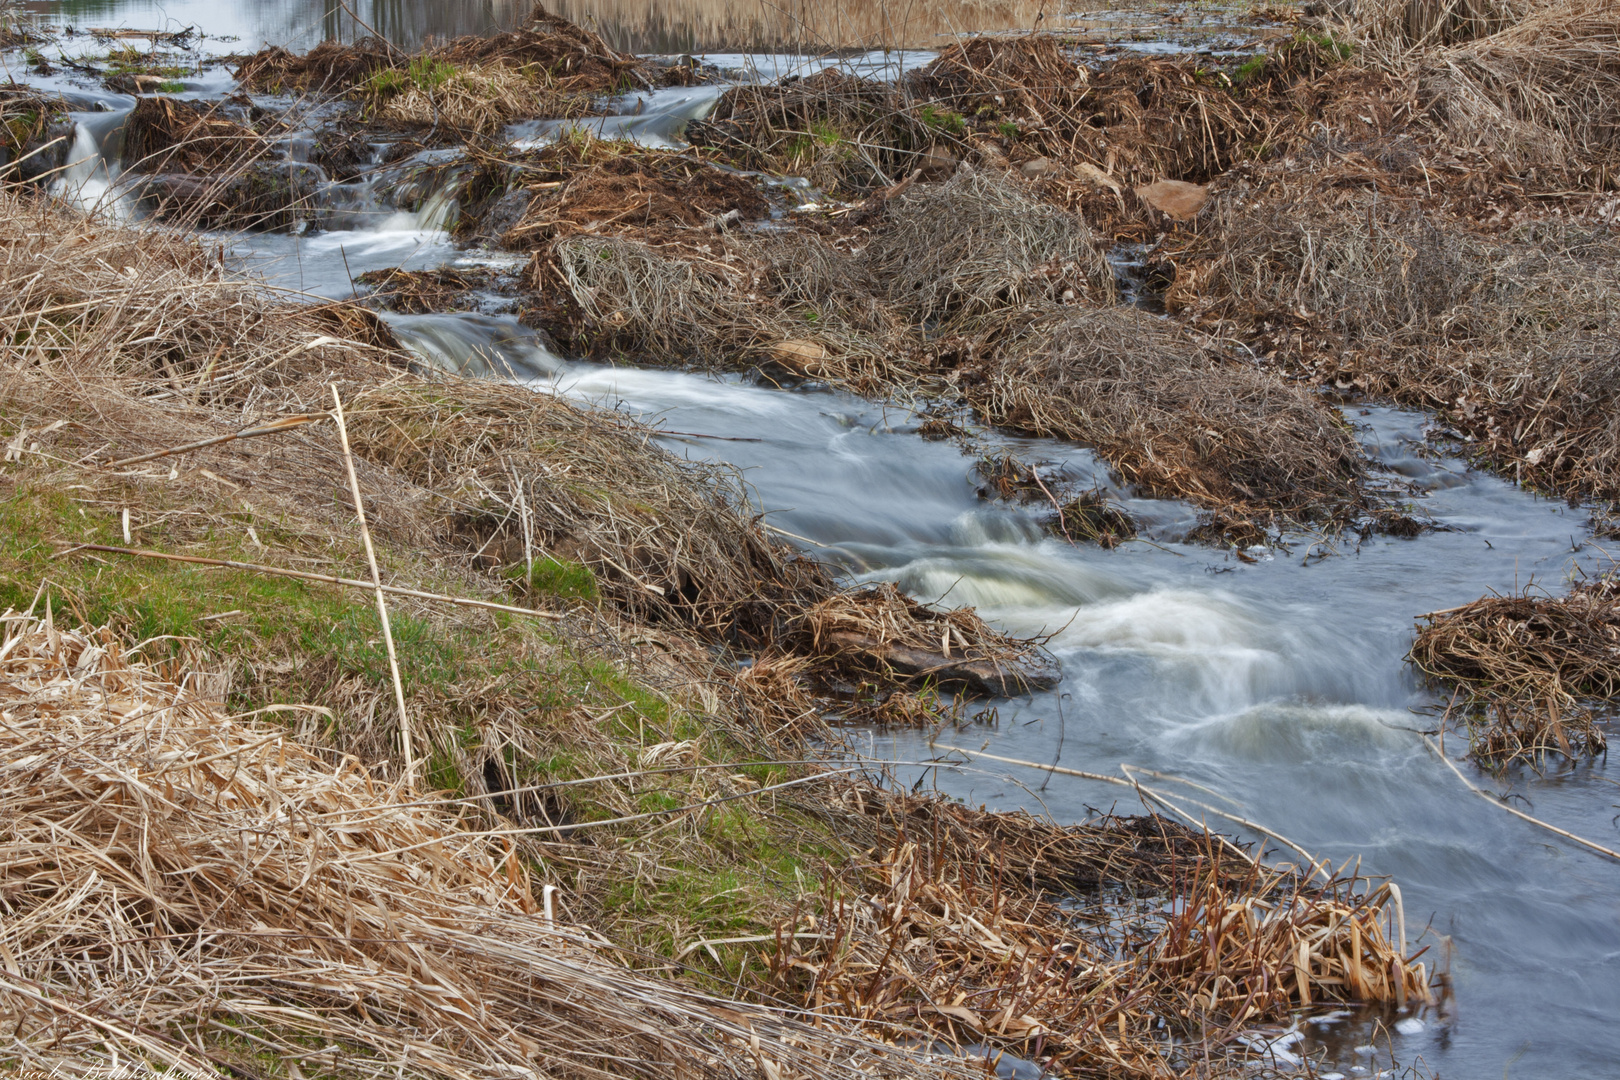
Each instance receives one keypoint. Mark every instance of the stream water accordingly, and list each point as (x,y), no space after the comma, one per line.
(1276,681)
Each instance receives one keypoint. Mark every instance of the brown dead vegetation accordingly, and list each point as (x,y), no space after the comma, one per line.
(418,292)
(1534,674)
(165,134)
(953,930)
(601,186)
(963,289)
(34,139)
(484,475)
(150,833)
(550,68)
(1172,414)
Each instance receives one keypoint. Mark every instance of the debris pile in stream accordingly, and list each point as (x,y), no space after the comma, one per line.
(549,68)
(34,135)
(880,632)
(958,928)
(1532,674)
(1172,414)
(585,184)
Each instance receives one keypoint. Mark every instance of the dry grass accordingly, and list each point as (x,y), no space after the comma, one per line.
(880,633)
(1541,94)
(950,932)
(473,84)
(1419,24)
(164,134)
(198,892)
(474,99)
(1173,415)
(150,347)
(1533,673)
(585,184)
(724,302)
(978,243)
(1510,337)
(840,131)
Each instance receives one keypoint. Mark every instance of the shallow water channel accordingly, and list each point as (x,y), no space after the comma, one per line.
(1276,682)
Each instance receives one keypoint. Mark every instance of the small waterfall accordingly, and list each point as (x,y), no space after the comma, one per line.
(89,180)
(480,345)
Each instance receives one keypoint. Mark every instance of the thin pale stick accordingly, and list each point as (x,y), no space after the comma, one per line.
(285,423)
(382,601)
(305,575)
(1500,805)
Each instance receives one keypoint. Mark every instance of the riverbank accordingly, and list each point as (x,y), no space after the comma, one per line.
(676,633)
(699,823)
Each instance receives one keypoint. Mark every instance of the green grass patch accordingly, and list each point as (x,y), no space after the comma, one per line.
(561,578)
(942,120)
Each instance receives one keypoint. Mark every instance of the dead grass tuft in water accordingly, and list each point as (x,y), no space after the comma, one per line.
(879,632)
(1093,516)
(1172,415)
(469,98)
(165,134)
(549,68)
(585,184)
(951,932)
(1533,674)
(420,292)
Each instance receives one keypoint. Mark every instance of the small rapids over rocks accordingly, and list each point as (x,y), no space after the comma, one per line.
(1275,679)
(1265,680)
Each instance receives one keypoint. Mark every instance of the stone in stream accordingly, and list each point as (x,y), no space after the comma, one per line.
(936,164)
(1038,168)
(1176,198)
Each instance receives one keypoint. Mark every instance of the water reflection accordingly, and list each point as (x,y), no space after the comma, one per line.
(640,26)
(294,24)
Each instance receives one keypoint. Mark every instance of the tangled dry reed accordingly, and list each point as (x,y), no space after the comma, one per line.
(1534,674)
(471,85)
(980,242)
(1172,415)
(586,184)
(952,932)
(197,892)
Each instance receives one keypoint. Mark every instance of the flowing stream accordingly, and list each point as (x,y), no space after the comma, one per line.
(1276,681)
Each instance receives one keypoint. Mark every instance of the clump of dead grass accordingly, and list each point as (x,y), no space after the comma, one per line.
(1533,673)
(468,98)
(979,242)
(419,292)
(1542,94)
(722,301)
(471,84)
(1173,415)
(165,134)
(585,184)
(879,632)
(839,130)
(952,931)
(1509,337)
(1417,24)
(231,896)
(1092,515)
